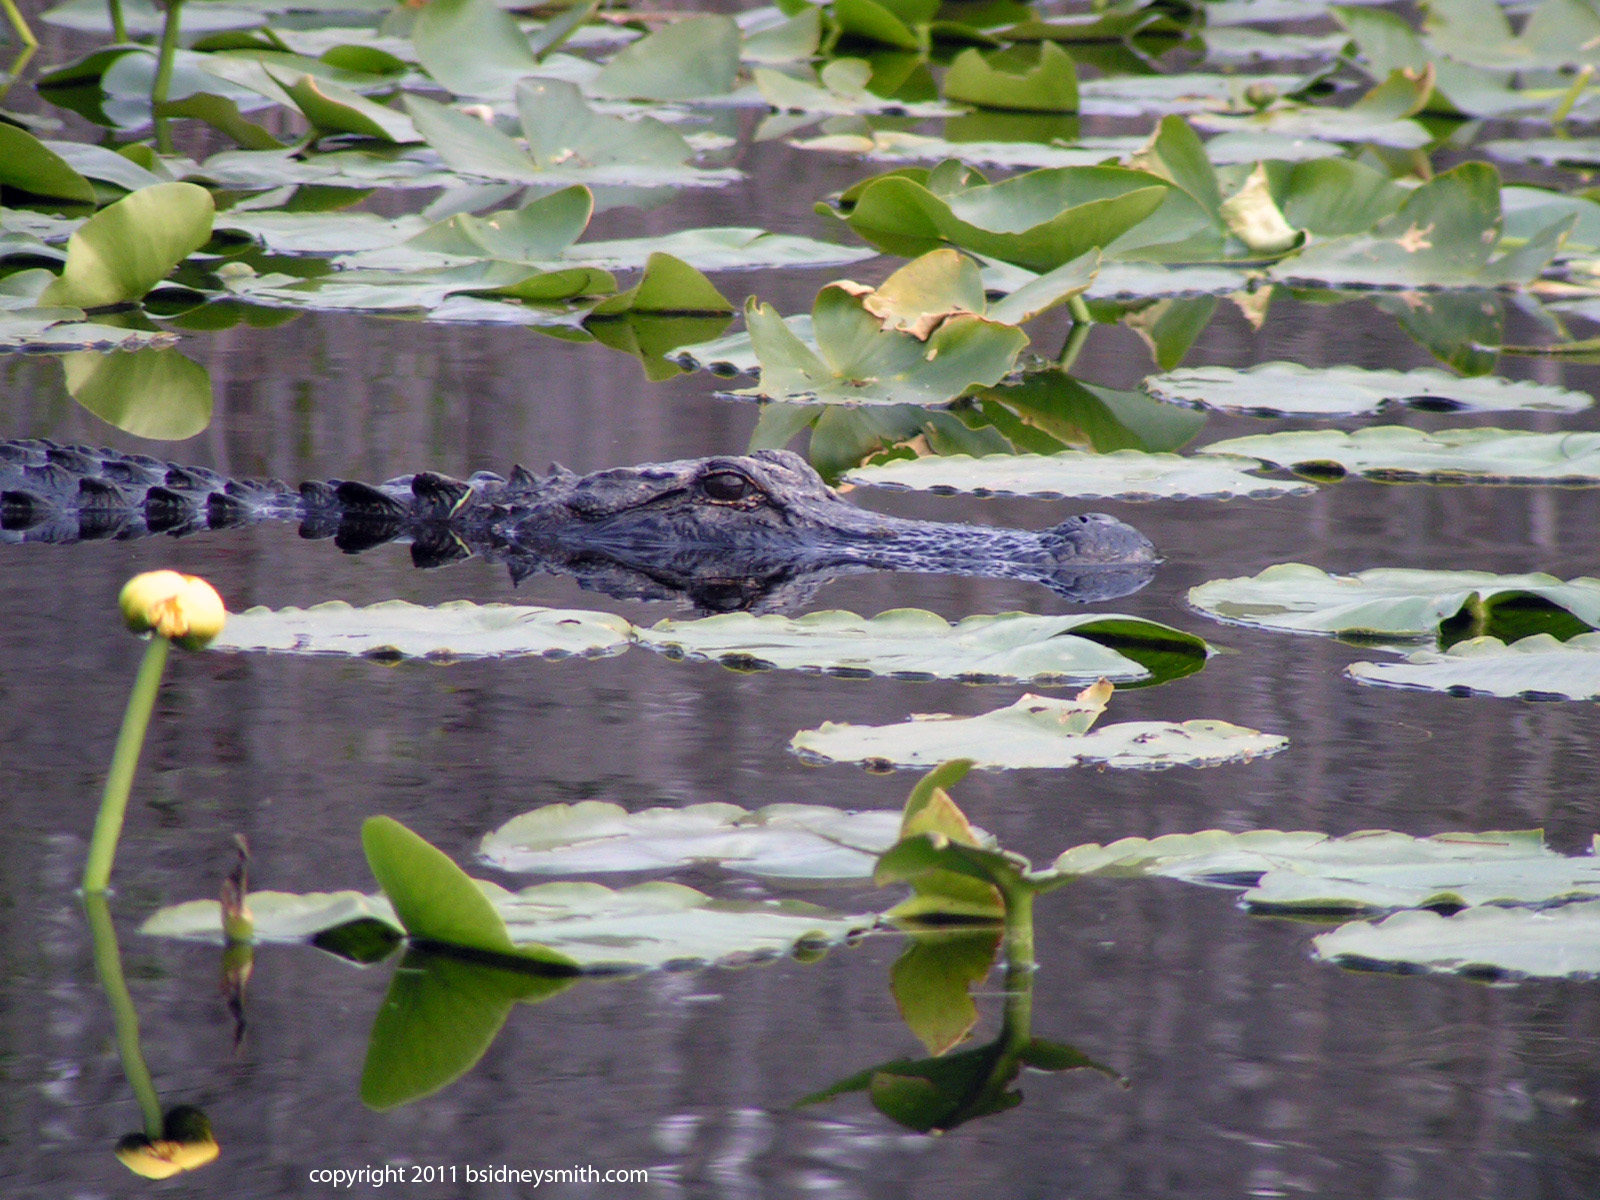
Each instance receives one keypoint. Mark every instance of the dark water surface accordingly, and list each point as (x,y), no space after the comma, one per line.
(1252,1070)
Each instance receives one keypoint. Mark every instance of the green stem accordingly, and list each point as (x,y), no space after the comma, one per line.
(1076,337)
(119,25)
(163,81)
(19,23)
(108,966)
(1079,308)
(1016,1023)
(124,762)
(1019,927)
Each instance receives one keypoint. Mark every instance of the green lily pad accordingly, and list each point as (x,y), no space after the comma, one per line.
(1280,389)
(1185,92)
(839,88)
(332,109)
(903,146)
(687,60)
(1398,453)
(1035,732)
(718,248)
(36,329)
(1381,117)
(28,165)
(644,927)
(396,629)
(1383,602)
(1123,475)
(1038,220)
(910,643)
(1049,85)
(920,338)
(1539,667)
(1446,234)
(472,47)
(1497,944)
(779,841)
(127,248)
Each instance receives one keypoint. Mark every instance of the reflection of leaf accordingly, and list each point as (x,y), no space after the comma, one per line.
(785,841)
(1036,731)
(124,250)
(440,1016)
(1123,474)
(1400,453)
(1289,389)
(932,981)
(451,631)
(157,394)
(912,643)
(1539,667)
(1384,602)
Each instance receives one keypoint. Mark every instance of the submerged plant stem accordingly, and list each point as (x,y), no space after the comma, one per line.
(19,23)
(163,81)
(119,24)
(108,966)
(1076,337)
(124,762)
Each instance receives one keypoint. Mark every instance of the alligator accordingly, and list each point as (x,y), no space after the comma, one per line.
(730,532)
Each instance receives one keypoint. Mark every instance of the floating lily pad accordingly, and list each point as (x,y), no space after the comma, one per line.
(1186,92)
(1483,943)
(1049,85)
(718,248)
(1036,731)
(127,248)
(838,89)
(903,146)
(1124,475)
(1370,870)
(396,629)
(686,60)
(782,841)
(1381,117)
(1399,453)
(1289,389)
(1539,667)
(650,925)
(1384,602)
(910,643)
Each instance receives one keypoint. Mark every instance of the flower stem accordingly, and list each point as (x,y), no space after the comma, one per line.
(108,966)
(163,80)
(1019,927)
(124,762)
(20,24)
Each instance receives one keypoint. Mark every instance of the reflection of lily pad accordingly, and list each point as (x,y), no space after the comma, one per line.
(396,629)
(910,643)
(1124,474)
(1382,603)
(784,841)
(1289,389)
(1036,731)
(1483,943)
(1539,667)
(156,394)
(1400,453)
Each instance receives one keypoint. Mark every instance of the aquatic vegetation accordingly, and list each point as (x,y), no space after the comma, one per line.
(1537,667)
(1397,453)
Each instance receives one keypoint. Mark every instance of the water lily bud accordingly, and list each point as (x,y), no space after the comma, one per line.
(1260,95)
(181,608)
(186,1142)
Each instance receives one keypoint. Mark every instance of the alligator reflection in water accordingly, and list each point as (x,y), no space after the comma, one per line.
(759,531)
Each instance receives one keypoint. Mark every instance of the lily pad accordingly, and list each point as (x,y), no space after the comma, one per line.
(718,248)
(1049,85)
(1381,117)
(1398,453)
(839,88)
(1539,667)
(689,59)
(127,248)
(1384,602)
(1497,944)
(1123,475)
(396,629)
(647,926)
(780,841)
(903,146)
(1280,389)
(910,643)
(1185,92)
(28,165)
(1036,731)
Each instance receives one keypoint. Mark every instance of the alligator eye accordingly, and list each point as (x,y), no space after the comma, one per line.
(727,486)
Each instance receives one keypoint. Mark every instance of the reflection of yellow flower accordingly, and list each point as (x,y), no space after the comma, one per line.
(181,608)
(185,1143)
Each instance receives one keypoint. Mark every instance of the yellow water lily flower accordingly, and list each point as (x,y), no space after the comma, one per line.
(184,609)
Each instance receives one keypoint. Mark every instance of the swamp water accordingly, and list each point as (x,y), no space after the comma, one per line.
(1237,1063)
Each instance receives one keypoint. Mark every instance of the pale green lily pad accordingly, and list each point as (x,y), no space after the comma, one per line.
(1399,453)
(648,926)
(780,841)
(1370,870)
(397,629)
(902,146)
(1186,92)
(320,233)
(1035,732)
(1123,475)
(1381,117)
(63,328)
(1288,389)
(686,60)
(1532,668)
(1501,944)
(1384,602)
(718,248)
(1574,152)
(911,643)
(838,89)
